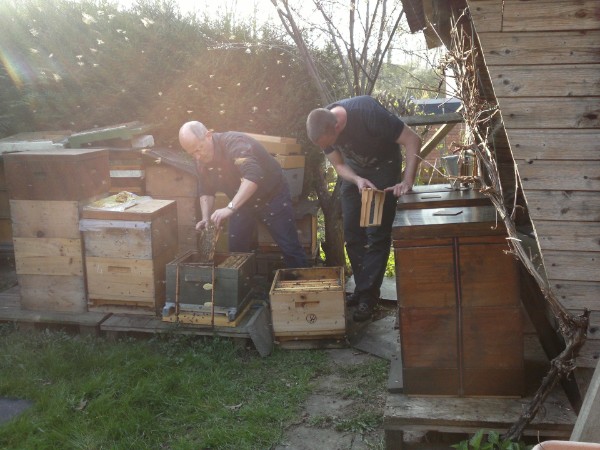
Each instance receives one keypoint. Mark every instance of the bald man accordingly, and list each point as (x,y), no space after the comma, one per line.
(239,166)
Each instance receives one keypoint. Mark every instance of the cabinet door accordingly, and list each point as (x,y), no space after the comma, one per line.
(489,276)
(428,319)
(425,276)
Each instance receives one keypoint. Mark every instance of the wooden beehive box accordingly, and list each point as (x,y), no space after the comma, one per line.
(65,174)
(308,303)
(232,283)
(126,253)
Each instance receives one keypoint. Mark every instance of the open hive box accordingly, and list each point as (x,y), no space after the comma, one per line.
(204,292)
(308,303)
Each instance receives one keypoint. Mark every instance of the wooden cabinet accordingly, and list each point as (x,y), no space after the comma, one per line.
(459,306)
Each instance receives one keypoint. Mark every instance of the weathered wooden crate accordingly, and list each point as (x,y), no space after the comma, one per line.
(48,256)
(278,145)
(126,253)
(233,274)
(66,174)
(46,219)
(308,303)
(167,181)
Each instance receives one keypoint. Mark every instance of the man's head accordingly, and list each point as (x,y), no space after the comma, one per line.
(322,127)
(197,141)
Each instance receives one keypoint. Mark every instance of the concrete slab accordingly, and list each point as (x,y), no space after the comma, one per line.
(378,338)
(12,407)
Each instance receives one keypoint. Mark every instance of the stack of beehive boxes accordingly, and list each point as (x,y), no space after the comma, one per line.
(126,254)
(47,191)
(126,171)
(289,154)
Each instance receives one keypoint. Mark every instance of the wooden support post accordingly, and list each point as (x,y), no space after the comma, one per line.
(586,427)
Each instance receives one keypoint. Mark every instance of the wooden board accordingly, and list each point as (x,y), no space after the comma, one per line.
(486,14)
(53,293)
(83,322)
(563,205)
(566,175)
(49,219)
(538,15)
(547,113)
(576,266)
(48,256)
(558,47)
(547,80)
(555,144)
(567,236)
(577,295)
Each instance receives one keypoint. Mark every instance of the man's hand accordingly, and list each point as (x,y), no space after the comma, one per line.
(221,215)
(400,189)
(363,183)
(202,225)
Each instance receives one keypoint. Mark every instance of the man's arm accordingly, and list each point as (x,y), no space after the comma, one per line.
(345,171)
(207,203)
(244,193)
(412,145)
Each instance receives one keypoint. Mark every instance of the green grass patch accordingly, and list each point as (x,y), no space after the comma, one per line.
(167,392)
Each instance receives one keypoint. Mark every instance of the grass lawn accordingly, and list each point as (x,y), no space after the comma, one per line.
(165,393)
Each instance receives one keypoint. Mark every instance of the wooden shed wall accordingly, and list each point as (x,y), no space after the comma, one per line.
(543,59)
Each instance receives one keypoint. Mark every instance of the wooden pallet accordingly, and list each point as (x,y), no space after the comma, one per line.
(11,312)
(254,326)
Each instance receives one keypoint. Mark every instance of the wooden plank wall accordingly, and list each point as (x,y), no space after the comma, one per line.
(543,57)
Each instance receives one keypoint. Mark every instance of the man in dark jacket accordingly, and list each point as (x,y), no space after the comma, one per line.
(239,166)
(362,141)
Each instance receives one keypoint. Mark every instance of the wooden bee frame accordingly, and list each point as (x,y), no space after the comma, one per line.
(371,209)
